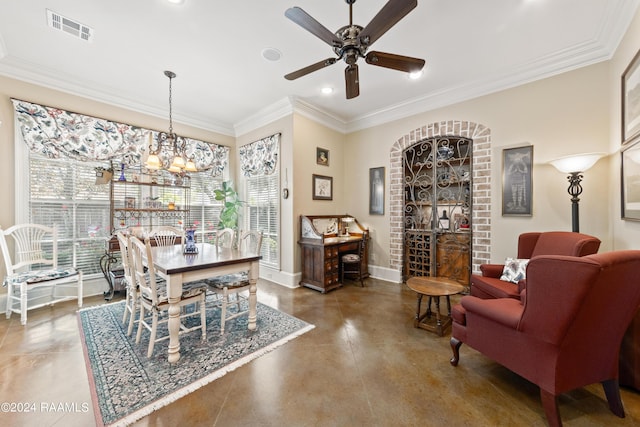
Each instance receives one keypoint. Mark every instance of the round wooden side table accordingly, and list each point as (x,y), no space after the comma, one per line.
(434,287)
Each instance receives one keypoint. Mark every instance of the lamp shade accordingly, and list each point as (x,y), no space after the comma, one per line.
(153,162)
(576,163)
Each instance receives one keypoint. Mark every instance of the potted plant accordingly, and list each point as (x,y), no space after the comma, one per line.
(231,210)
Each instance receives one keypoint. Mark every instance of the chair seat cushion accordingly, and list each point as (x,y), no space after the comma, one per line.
(236,280)
(351,258)
(37,276)
(189,290)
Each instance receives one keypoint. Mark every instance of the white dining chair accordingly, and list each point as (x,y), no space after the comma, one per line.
(35,266)
(166,235)
(235,284)
(132,295)
(225,238)
(154,297)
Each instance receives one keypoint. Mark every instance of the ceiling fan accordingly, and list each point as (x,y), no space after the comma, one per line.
(352,41)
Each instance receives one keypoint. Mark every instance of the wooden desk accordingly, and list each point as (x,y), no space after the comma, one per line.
(434,287)
(321,260)
(323,239)
(177,268)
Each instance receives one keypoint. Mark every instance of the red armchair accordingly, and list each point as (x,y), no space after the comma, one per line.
(565,332)
(489,285)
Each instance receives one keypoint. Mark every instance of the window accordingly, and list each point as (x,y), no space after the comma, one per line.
(263,205)
(62,192)
(204,208)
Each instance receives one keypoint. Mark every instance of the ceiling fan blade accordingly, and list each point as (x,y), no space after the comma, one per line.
(311,68)
(352,81)
(307,22)
(389,15)
(395,62)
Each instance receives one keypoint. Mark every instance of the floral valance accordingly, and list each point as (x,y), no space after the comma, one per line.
(56,133)
(260,157)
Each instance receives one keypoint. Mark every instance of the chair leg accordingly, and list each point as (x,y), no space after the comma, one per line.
(132,316)
(154,330)
(139,333)
(23,304)
(550,405)
(203,316)
(127,306)
(225,302)
(612,391)
(9,300)
(455,347)
(80,289)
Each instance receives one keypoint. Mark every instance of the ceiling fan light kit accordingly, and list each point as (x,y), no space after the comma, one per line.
(352,42)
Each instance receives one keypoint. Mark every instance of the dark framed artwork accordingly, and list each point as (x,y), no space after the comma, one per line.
(129,202)
(322,187)
(376,191)
(631,100)
(322,156)
(517,164)
(630,185)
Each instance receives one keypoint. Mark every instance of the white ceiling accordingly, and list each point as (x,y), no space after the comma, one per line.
(472,47)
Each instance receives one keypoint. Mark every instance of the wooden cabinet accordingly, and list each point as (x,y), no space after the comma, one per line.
(437,208)
(323,239)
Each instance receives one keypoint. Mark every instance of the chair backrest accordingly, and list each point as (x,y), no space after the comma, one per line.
(127,261)
(225,238)
(556,243)
(34,246)
(582,306)
(250,241)
(166,235)
(146,280)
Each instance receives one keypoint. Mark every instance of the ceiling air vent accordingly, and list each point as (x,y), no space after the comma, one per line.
(69,26)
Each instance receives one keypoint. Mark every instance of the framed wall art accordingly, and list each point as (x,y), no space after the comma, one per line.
(322,156)
(322,187)
(630,185)
(376,191)
(631,100)
(517,181)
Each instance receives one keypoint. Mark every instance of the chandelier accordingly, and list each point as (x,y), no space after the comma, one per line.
(174,142)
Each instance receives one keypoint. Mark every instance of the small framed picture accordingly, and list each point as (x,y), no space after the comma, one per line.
(129,202)
(322,187)
(376,191)
(322,156)
(517,181)
(631,100)
(631,181)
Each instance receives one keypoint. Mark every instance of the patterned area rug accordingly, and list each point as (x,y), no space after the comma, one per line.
(126,385)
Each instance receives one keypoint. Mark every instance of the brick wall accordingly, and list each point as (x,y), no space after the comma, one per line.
(481,203)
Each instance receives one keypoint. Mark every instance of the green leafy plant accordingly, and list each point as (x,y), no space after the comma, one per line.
(232,205)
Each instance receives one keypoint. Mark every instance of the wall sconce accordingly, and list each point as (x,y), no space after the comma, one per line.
(575,166)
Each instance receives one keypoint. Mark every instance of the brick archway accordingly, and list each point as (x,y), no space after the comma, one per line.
(481,209)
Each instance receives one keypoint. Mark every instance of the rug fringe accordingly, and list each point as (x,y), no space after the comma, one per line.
(137,415)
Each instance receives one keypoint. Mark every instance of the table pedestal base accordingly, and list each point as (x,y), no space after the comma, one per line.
(433,321)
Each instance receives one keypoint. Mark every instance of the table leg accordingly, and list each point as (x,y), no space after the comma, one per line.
(174,288)
(438,320)
(448,306)
(253,298)
(416,322)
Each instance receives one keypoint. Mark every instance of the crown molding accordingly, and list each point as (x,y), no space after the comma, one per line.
(37,75)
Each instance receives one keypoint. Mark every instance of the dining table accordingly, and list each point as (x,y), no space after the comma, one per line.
(177,267)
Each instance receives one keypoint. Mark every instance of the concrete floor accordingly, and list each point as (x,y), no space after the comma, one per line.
(363,365)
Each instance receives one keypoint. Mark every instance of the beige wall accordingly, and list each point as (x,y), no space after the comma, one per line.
(626,234)
(562,115)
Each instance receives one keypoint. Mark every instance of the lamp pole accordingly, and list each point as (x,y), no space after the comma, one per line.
(575,189)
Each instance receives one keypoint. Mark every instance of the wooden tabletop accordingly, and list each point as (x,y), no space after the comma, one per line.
(434,286)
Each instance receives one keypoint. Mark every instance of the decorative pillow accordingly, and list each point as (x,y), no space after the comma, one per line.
(514,270)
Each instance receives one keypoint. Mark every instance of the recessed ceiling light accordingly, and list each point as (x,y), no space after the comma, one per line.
(415,75)
(176,1)
(327,90)
(271,54)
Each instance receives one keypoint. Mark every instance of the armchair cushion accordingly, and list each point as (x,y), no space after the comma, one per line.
(514,270)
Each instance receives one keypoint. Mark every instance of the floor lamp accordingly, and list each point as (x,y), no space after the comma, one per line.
(575,166)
